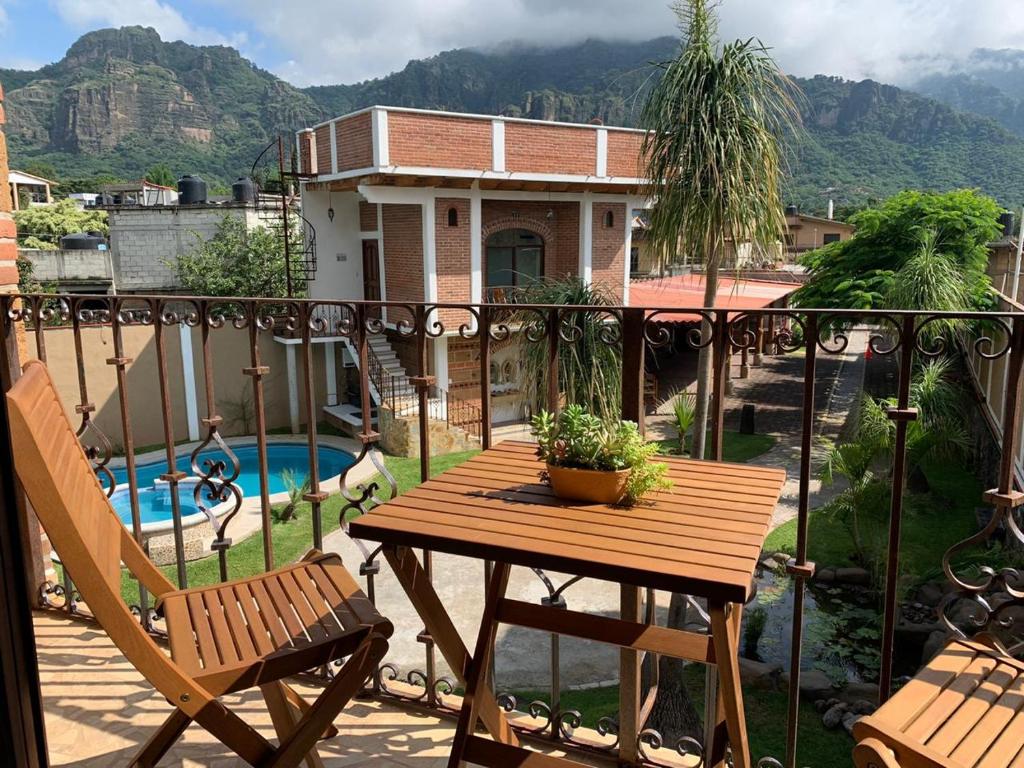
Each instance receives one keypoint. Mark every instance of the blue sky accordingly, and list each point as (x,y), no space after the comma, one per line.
(342,41)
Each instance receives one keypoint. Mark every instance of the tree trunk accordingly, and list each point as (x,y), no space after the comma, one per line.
(704,358)
(674,715)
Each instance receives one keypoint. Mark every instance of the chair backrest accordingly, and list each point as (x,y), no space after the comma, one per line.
(66,495)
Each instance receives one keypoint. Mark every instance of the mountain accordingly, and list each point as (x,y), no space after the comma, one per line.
(988,83)
(123,100)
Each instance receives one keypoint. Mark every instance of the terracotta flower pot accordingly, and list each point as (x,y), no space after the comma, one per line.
(602,487)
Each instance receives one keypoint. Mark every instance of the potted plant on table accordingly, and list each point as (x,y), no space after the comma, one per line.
(591,459)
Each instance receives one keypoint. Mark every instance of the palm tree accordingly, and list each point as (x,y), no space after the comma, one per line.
(717,120)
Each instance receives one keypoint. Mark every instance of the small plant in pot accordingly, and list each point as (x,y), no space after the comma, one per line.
(590,459)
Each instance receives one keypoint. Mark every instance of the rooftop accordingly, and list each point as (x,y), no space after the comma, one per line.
(685,291)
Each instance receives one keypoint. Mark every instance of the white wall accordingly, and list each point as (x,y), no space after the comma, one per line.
(339,248)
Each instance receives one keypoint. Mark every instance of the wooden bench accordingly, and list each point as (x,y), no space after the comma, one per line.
(964,709)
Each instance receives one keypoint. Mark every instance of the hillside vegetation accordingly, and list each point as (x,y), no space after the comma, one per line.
(122,100)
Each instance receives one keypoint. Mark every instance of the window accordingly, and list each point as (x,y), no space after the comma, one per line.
(515,257)
(830,237)
(609,219)
(790,240)
(453,217)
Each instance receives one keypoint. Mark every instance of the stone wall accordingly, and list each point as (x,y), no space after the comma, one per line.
(146,241)
(401,436)
(71,268)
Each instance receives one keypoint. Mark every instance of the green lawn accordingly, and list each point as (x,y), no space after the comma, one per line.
(766,720)
(932,523)
(735,447)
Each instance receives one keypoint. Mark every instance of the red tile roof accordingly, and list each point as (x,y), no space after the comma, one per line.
(687,292)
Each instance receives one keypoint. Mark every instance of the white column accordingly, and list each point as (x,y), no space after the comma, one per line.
(602,152)
(334,146)
(380,260)
(429,251)
(441,361)
(476,251)
(498,146)
(332,373)
(628,247)
(586,237)
(381,151)
(188,376)
(293,389)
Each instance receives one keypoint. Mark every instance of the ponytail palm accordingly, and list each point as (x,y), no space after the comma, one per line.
(714,157)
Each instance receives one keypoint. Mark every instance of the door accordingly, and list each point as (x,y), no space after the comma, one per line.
(371,274)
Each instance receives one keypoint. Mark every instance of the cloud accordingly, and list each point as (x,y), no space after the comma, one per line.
(323,41)
(165,19)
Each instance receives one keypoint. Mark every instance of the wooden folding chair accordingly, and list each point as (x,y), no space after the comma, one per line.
(223,638)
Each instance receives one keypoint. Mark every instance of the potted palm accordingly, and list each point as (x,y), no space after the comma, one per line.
(592,459)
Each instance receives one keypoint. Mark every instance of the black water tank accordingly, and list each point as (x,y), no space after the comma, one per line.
(83,241)
(243,190)
(191,190)
(792,210)
(1006,222)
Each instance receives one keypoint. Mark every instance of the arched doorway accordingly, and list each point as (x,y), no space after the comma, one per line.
(514,259)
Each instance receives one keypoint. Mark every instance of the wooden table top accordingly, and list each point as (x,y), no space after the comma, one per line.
(703,537)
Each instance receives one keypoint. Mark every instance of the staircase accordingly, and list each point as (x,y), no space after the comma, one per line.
(389,385)
(391,388)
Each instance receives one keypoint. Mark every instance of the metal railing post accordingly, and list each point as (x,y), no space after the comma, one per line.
(902,414)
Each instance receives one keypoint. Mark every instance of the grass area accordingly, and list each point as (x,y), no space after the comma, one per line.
(294,538)
(766,720)
(932,522)
(735,447)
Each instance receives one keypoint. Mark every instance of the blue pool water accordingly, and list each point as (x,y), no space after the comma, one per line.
(155,500)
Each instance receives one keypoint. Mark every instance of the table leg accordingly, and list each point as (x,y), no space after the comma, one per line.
(479,664)
(725,638)
(716,735)
(629,681)
(428,605)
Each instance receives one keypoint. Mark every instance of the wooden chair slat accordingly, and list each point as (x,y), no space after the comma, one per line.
(993,725)
(961,721)
(324,614)
(258,630)
(283,606)
(947,702)
(182,640)
(333,596)
(311,623)
(222,634)
(239,629)
(270,615)
(201,626)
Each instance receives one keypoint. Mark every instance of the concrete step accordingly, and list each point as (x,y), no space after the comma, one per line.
(349,415)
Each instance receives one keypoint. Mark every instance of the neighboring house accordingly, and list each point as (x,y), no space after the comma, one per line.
(140,192)
(805,233)
(413,205)
(35,189)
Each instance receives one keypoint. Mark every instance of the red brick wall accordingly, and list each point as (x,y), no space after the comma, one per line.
(608,260)
(452,257)
(367,216)
(355,142)
(440,142)
(561,233)
(463,362)
(403,256)
(550,149)
(624,154)
(323,149)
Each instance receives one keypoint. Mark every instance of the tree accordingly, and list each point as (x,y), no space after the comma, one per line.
(43,226)
(861,273)
(236,261)
(716,120)
(161,174)
(716,124)
(589,370)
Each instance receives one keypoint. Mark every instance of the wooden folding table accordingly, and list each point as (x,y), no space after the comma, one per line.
(702,538)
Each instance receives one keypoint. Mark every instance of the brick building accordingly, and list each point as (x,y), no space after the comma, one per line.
(414,205)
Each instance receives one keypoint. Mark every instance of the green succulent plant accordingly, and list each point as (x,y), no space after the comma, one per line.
(577,439)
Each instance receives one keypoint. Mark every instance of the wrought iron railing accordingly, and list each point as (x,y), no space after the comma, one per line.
(980,597)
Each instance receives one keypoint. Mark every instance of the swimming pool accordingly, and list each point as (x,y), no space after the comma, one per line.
(155,499)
